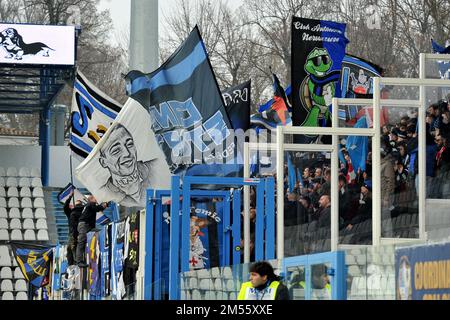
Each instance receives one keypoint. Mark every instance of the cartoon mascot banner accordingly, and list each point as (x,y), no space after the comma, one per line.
(318,48)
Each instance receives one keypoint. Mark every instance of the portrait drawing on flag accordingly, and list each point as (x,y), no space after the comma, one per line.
(127,161)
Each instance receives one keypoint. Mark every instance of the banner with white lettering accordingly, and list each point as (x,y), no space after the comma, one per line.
(318,48)
(186,107)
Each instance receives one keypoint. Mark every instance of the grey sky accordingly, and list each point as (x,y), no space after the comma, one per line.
(120,14)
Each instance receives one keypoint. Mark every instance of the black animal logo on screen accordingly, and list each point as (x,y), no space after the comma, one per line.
(15,47)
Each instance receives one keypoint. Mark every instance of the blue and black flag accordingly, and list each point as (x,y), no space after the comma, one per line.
(357,77)
(187,110)
(34,261)
(237,103)
(318,49)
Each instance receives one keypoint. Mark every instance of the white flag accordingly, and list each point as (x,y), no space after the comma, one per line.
(92,114)
(127,160)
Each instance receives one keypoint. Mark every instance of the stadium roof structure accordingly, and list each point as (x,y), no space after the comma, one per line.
(31,89)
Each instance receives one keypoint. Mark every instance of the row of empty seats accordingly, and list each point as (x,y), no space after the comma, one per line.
(24,214)
(24,203)
(211,284)
(7,285)
(28,223)
(24,192)
(27,235)
(21,172)
(21,182)
(8,273)
(10,296)
(207,295)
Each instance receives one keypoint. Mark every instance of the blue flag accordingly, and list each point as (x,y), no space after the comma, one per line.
(292,178)
(444,66)
(357,147)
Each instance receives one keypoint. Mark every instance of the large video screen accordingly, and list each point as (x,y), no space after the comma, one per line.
(37,44)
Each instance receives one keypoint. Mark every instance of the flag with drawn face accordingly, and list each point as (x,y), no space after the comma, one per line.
(92,114)
(127,161)
(34,261)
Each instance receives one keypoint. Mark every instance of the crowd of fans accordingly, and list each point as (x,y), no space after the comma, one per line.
(309,204)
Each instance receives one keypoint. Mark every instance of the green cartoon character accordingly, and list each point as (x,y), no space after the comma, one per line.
(318,88)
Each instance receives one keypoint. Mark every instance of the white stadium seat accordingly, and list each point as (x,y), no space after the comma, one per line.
(3,223)
(36,182)
(40,213)
(13,192)
(24,182)
(14,213)
(24,172)
(4,235)
(15,224)
(35,172)
(18,273)
(6,273)
(29,235)
(38,192)
(6,285)
(13,202)
(11,172)
(25,192)
(16,235)
(3,212)
(21,296)
(2,192)
(11,182)
(27,213)
(20,285)
(2,182)
(2,202)
(42,235)
(41,224)
(39,203)
(26,203)
(7,296)
(204,274)
(2,172)
(28,224)
(5,258)
(206,284)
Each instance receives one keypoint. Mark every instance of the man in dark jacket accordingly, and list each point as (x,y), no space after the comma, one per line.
(73,213)
(86,224)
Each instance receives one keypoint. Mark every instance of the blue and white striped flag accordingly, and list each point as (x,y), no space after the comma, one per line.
(92,114)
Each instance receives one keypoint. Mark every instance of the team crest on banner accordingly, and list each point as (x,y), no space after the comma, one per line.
(34,262)
(92,114)
(127,161)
